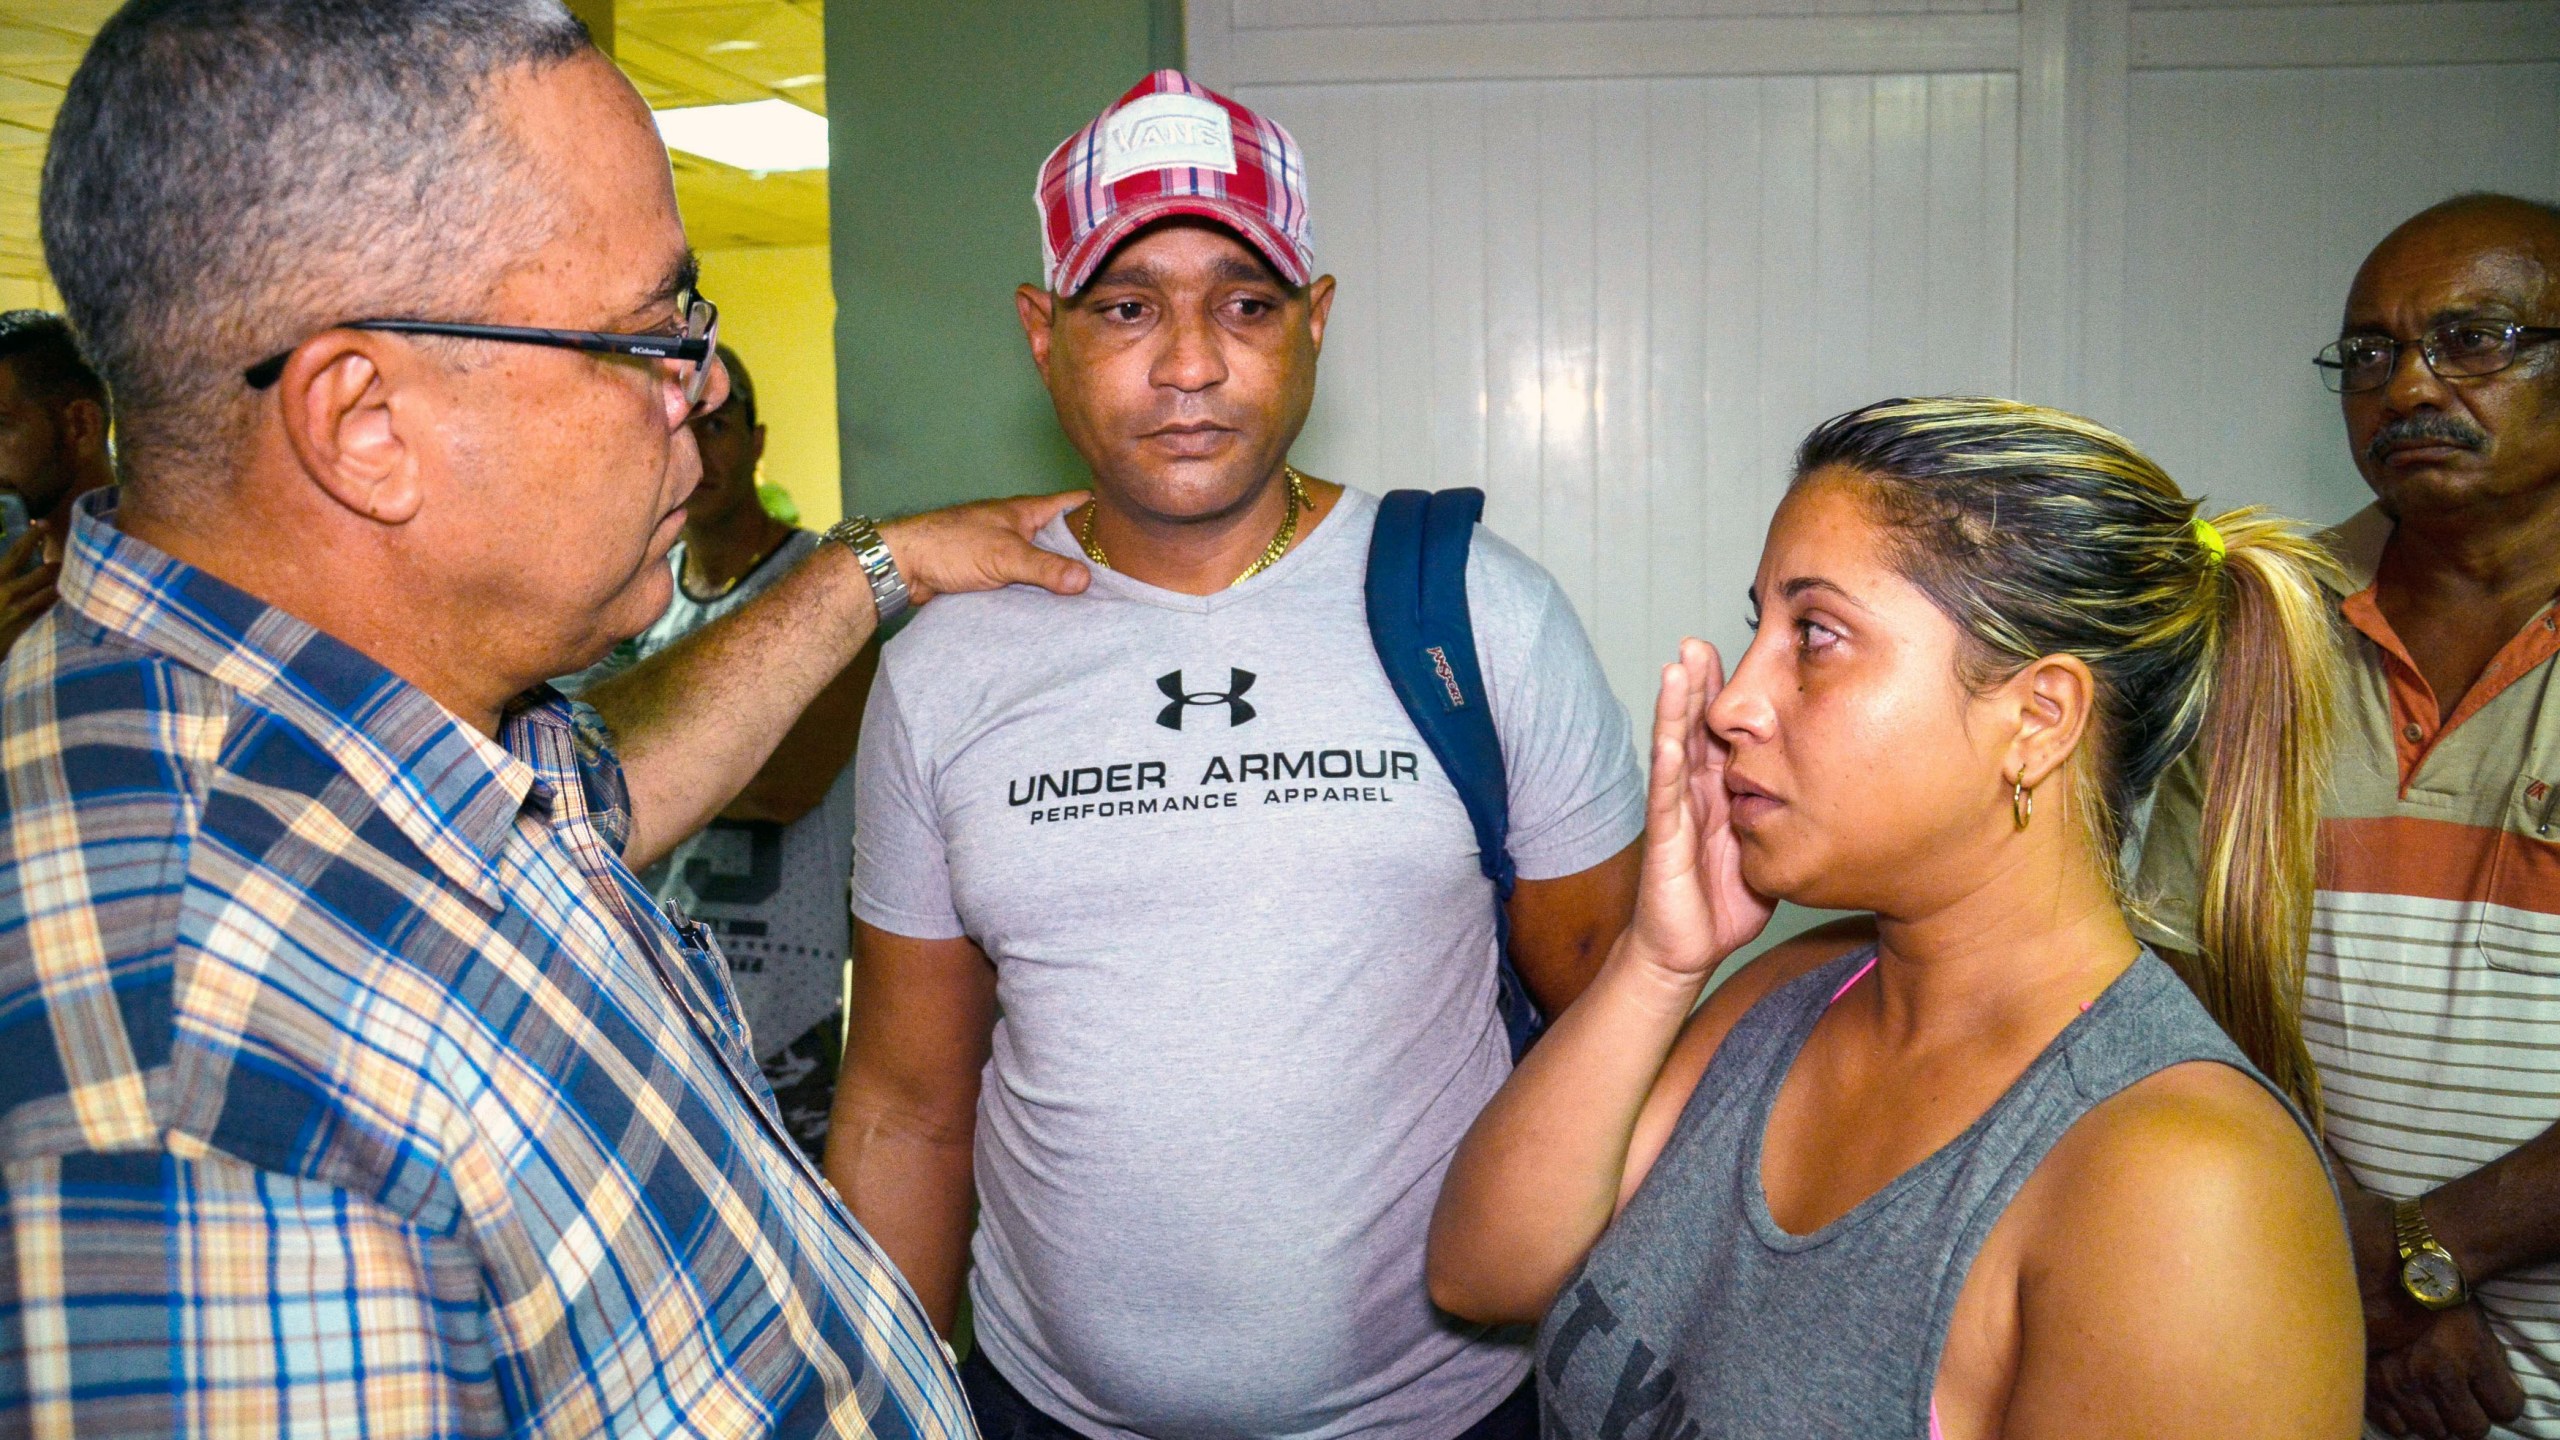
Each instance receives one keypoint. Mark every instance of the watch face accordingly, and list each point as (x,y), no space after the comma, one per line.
(2432,1278)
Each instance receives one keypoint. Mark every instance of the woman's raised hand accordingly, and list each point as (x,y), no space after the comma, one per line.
(1692,908)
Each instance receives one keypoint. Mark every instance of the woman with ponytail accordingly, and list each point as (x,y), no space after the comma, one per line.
(2000,1172)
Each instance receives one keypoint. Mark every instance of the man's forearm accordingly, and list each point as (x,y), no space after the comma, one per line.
(693,723)
(814,754)
(914,1193)
(2506,1214)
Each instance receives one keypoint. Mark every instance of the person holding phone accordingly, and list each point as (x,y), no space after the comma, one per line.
(53,450)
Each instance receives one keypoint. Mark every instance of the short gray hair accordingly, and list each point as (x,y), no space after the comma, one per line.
(227,177)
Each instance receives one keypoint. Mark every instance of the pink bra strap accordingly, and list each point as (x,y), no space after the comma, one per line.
(1934,1432)
(1851,983)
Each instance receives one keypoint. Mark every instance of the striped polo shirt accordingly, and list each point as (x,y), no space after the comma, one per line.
(2432,998)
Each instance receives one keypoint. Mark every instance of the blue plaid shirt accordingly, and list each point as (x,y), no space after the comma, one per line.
(351,1086)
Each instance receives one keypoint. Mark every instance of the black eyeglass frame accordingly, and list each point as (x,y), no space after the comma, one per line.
(2332,364)
(689,346)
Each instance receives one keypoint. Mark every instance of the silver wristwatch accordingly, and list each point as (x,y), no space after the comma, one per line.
(888,587)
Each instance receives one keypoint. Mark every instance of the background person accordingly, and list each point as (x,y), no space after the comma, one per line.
(1998,1172)
(349,1081)
(2432,999)
(767,876)
(53,450)
(1247,984)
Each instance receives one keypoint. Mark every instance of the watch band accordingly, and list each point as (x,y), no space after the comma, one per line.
(889,591)
(2415,1237)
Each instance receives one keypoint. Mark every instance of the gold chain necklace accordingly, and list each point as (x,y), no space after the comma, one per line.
(1279,546)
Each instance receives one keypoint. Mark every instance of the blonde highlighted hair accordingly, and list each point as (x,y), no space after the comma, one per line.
(2040,533)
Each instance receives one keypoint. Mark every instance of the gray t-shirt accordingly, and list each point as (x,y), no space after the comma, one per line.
(1245,959)
(774,894)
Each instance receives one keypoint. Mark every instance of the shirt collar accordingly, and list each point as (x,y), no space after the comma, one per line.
(451,790)
(2419,718)
(2356,544)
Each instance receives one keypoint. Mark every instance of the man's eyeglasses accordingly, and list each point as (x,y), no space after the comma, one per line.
(699,342)
(2455,350)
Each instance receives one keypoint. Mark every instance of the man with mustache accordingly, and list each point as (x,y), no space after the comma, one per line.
(1183,836)
(2432,999)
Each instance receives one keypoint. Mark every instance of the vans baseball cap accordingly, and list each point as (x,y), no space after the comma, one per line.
(1172,146)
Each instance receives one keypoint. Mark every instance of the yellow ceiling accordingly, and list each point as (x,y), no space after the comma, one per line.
(679,52)
(41,42)
(706,52)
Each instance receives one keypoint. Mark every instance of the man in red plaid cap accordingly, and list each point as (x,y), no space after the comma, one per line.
(1174,952)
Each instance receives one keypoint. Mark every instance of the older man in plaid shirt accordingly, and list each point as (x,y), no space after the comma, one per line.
(349,1082)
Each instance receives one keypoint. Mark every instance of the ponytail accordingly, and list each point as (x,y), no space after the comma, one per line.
(2263,754)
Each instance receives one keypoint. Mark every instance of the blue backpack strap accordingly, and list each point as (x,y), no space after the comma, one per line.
(1426,640)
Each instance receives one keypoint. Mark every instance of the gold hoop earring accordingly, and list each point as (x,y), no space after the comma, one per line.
(2022,802)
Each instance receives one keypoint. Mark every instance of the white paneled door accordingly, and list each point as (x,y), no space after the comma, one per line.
(1615,304)
(1610,259)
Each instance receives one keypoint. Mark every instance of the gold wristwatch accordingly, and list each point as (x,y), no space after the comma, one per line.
(2427,1269)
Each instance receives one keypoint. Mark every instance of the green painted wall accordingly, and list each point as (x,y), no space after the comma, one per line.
(942,111)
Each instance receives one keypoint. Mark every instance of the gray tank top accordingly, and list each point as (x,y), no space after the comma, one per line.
(1696,1317)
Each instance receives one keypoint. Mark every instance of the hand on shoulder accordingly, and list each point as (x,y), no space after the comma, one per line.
(984,546)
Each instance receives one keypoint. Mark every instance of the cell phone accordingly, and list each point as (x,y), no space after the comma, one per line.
(13,522)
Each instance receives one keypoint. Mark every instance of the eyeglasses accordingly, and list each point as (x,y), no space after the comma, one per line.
(696,346)
(2454,350)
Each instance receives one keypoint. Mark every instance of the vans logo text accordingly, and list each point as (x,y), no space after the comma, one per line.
(1163,131)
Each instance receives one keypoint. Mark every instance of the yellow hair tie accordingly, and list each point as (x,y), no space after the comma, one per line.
(2210,539)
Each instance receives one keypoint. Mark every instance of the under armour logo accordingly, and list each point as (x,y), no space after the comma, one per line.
(1238,712)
